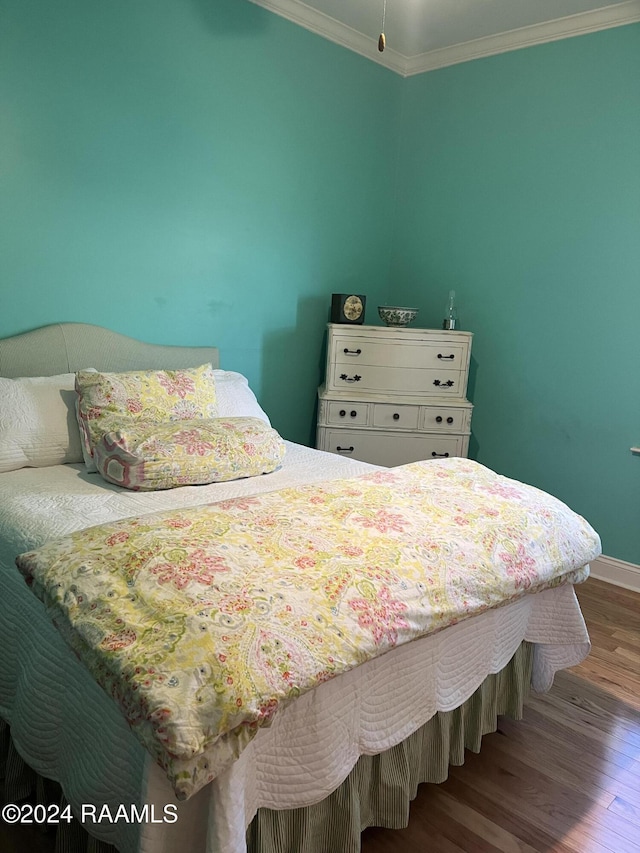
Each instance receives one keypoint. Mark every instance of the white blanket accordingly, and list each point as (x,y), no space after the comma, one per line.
(69,730)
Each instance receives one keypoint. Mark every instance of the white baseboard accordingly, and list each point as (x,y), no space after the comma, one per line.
(617,572)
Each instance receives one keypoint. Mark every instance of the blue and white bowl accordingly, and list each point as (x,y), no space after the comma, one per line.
(392,315)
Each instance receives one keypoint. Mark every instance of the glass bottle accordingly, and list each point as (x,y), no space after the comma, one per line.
(451,312)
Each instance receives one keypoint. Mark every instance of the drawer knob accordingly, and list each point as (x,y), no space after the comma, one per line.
(449,420)
(439,419)
(450,357)
(354,378)
(446,384)
(445,455)
(353,413)
(356,352)
(345,449)
(396,416)
(342,413)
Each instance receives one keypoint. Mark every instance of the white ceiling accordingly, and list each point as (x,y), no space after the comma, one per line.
(425,34)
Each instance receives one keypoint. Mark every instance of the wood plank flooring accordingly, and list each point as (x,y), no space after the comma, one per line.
(565,779)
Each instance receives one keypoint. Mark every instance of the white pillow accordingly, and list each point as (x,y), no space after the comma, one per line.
(234,397)
(38,425)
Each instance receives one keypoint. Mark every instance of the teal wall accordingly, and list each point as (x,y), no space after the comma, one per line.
(520,189)
(192,172)
(198,172)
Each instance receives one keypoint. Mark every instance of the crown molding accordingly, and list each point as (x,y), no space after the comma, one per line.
(561,28)
(618,15)
(335,31)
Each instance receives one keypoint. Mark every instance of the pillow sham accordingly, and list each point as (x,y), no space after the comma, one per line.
(234,397)
(110,401)
(163,456)
(38,426)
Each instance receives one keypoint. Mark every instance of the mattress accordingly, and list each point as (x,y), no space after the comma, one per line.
(66,728)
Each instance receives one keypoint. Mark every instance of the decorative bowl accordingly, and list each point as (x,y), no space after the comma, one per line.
(392,315)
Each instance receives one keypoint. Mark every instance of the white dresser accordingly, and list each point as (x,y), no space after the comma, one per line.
(395,395)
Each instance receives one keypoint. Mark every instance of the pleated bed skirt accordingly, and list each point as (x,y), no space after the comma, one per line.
(377,792)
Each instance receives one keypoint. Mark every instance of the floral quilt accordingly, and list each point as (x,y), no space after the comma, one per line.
(201,623)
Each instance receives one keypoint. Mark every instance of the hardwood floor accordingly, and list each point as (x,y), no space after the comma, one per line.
(565,779)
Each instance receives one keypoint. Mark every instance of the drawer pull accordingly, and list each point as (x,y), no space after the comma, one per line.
(449,420)
(354,378)
(446,384)
(445,455)
(353,413)
(342,413)
(346,449)
(359,352)
(439,419)
(396,416)
(451,357)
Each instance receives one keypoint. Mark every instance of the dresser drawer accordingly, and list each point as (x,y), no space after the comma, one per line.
(440,419)
(388,448)
(395,417)
(347,413)
(394,396)
(408,381)
(351,351)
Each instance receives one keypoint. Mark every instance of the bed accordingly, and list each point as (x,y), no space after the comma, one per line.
(347,754)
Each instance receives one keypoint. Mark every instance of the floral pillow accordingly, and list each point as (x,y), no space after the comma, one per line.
(162,456)
(112,401)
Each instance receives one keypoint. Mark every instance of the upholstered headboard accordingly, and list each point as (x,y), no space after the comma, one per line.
(67,347)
